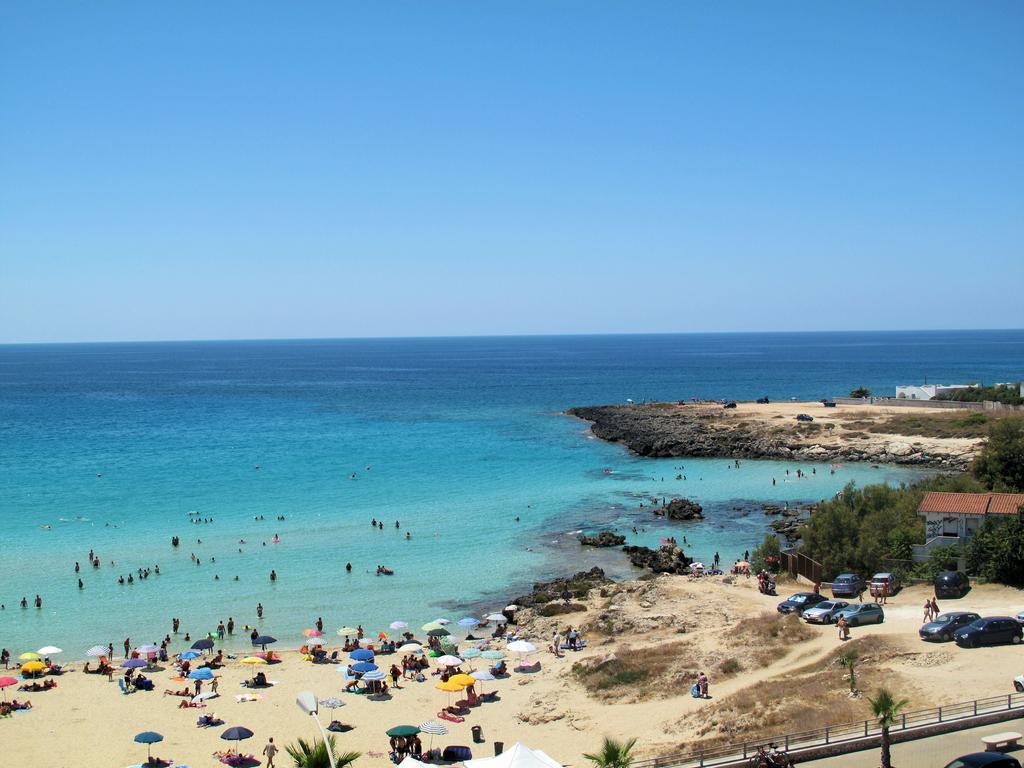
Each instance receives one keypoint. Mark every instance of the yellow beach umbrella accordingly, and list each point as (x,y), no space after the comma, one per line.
(463,680)
(29,656)
(33,667)
(253,660)
(450,686)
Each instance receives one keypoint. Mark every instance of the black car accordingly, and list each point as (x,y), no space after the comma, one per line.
(942,628)
(952,584)
(800,602)
(985,760)
(991,630)
(847,585)
(730,404)
(762,401)
(804,417)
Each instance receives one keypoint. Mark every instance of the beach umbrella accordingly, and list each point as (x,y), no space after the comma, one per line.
(203,645)
(438,632)
(431,625)
(512,607)
(442,621)
(236,733)
(375,674)
(149,738)
(521,646)
(134,663)
(147,650)
(49,650)
(264,641)
(402,730)
(482,676)
(361,654)
(742,564)
(499,617)
(449,661)
(347,631)
(465,680)
(433,728)
(97,650)
(364,666)
(449,687)
(493,655)
(332,703)
(471,653)
(6,681)
(29,656)
(203,673)
(188,655)
(312,632)
(398,625)
(696,566)
(253,660)
(411,648)
(32,667)
(469,622)
(315,642)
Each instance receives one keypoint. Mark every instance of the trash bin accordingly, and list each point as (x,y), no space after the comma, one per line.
(478,734)
(499,747)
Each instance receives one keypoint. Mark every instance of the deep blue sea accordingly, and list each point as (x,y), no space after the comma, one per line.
(111,447)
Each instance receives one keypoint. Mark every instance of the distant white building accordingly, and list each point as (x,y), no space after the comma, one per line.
(927,391)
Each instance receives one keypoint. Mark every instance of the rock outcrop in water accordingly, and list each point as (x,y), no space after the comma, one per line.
(667,558)
(603,539)
(670,430)
(575,586)
(681,509)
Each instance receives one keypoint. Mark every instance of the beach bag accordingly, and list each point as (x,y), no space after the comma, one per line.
(421,678)
(695,691)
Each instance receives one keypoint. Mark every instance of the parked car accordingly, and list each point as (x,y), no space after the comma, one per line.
(829,403)
(862,613)
(800,602)
(1018,683)
(730,404)
(990,630)
(804,417)
(952,584)
(1020,617)
(824,612)
(985,760)
(762,401)
(847,585)
(944,626)
(884,584)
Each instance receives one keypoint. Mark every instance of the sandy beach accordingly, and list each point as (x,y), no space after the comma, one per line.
(654,635)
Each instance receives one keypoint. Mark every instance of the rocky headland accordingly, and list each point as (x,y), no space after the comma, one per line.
(753,431)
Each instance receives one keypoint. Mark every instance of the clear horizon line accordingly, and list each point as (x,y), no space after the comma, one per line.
(490,336)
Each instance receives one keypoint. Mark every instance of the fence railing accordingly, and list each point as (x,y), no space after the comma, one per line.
(836,734)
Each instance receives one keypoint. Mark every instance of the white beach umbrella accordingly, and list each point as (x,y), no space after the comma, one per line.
(499,617)
(145,650)
(482,674)
(410,648)
(97,650)
(442,622)
(50,650)
(512,607)
(332,703)
(315,641)
(521,646)
(375,674)
(398,625)
(449,661)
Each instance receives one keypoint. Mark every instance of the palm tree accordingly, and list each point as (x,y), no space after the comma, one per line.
(885,709)
(613,754)
(849,660)
(314,754)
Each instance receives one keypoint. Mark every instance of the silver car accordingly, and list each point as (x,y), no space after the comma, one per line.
(824,613)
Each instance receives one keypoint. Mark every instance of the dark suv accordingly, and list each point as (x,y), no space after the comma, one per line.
(950,584)
(847,585)
(991,630)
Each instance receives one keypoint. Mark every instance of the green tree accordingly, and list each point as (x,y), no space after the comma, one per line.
(943,558)
(314,754)
(760,558)
(996,551)
(860,392)
(1000,464)
(848,660)
(886,709)
(613,754)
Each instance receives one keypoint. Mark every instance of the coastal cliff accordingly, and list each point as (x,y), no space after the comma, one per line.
(753,431)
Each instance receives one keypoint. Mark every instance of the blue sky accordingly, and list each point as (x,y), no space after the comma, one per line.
(258,170)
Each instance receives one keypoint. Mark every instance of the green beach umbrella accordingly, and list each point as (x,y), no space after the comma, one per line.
(403,730)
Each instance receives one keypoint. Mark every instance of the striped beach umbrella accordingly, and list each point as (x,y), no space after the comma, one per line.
(433,728)
(97,650)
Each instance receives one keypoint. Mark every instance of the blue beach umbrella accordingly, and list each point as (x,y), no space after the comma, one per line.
(236,733)
(134,663)
(375,674)
(203,645)
(361,654)
(148,738)
(364,666)
(468,622)
(188,655)
(264,641)
(470,653)
(203,673)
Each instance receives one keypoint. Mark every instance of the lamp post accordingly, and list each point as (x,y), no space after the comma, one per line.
(306,701)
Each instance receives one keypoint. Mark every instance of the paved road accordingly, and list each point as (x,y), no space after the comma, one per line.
(934,752)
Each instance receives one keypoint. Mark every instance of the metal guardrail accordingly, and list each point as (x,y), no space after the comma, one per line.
(835,734)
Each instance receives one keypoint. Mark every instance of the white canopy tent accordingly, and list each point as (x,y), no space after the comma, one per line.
(516,756)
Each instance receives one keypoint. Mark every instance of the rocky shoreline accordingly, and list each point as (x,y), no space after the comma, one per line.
(667,430)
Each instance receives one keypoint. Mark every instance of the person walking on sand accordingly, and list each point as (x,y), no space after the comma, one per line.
(843,627)
(702,684)
(935,610)
(270,750)
(556,643)
(927,612)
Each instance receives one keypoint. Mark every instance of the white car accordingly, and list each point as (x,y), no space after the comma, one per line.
(1018,683)
(1020,617)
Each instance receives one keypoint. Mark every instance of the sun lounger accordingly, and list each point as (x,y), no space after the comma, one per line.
(124,688)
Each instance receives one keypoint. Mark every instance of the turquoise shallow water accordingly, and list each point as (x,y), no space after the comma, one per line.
(111,446)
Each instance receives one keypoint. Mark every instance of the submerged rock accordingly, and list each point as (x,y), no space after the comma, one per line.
(681,509)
